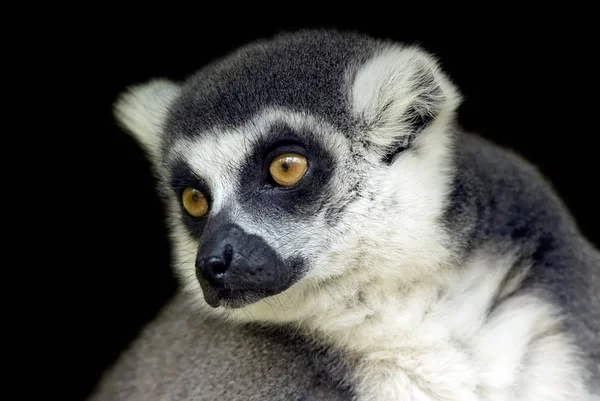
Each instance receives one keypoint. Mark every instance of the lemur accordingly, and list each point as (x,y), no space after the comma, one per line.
(319,181)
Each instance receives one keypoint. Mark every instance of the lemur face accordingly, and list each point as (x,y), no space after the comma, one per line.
(298,159)
(260,203)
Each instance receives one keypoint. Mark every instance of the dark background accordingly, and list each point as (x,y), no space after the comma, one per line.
(529,84)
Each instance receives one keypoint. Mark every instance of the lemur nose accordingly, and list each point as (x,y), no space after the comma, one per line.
(213,267)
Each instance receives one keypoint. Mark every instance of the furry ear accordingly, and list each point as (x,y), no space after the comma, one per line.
(399,93)
(141,110)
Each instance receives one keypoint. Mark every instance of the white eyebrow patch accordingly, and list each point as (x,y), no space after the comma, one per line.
(217,159)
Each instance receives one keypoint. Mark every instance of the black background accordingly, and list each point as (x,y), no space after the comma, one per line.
(529,84)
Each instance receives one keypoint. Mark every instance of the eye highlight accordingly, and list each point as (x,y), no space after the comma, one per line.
(194,202)
(287,169)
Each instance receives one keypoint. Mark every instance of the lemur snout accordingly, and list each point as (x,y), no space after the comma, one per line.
(235,268)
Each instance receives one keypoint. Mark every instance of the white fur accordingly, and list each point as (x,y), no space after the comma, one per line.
(445,349)
(433,341)
(382,285)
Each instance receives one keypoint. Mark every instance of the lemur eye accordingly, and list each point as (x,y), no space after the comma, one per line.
(194,202)
(287,169)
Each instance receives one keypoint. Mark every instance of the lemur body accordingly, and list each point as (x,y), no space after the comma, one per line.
(440,266)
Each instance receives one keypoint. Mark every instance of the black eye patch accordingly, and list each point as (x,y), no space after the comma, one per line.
(257,189)
(181,178)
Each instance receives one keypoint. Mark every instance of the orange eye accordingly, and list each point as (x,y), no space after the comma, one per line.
(288,168)
(194,202)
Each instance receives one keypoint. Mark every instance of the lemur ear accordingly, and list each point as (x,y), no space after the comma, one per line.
(399,93)
(141,110)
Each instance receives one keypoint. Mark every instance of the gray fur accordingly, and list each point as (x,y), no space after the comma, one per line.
(183,355)
(301,71)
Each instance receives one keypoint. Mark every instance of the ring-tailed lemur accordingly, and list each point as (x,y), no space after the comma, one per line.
(319,179)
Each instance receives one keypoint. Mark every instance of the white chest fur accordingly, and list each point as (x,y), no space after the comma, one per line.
(460,337)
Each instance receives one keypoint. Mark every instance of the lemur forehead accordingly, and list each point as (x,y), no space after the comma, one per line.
(306,72)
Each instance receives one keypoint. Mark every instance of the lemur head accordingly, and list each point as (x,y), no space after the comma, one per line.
(298,160)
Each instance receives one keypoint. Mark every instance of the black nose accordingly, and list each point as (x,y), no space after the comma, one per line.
(213,267)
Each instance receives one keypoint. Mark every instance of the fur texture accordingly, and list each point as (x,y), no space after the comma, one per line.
(183,355)
(440,266)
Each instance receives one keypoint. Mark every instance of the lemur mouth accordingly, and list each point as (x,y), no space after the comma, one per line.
(228,298)
(211,294)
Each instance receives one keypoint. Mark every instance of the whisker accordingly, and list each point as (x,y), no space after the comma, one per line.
(282,308)
(273,310)
(248,312)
